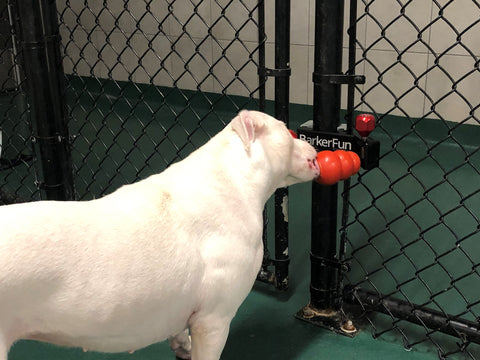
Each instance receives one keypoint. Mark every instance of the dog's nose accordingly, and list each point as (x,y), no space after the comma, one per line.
(313,164)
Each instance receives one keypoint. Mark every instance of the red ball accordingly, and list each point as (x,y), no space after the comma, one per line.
(365,124)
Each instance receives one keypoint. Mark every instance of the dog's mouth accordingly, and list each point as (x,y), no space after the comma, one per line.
(313,164)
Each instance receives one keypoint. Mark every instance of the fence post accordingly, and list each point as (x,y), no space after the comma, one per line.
(37,27)
(325,293)
(282,98)
(326,115)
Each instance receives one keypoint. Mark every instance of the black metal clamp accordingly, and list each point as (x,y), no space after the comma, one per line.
(334,263)
(264,71)
(367,149)
(338,79)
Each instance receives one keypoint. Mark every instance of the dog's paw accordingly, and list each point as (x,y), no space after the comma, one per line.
(182,355)
(181,344)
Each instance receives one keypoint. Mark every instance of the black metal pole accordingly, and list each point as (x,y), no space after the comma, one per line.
(40,43)
(262,78)
(282,98)
(326,114)
(352,37)
(265,274)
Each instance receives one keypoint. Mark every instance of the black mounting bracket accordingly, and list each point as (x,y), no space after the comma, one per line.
(263,71)
(366,148)
(338,78)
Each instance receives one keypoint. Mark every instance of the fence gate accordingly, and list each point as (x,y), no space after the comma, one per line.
(409,250)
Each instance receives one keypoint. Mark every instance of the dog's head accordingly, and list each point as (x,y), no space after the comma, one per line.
(265,138)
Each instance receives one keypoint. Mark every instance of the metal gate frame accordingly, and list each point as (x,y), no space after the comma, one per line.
(279,276)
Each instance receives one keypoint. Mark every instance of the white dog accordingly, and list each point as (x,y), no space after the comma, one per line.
(175,252)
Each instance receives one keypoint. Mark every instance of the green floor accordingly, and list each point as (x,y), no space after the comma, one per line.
(263,329)
(125,140)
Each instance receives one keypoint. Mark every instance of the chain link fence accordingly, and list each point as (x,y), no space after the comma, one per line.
(146,83)
(17,174)
(413,231)
(143,84)
(150,81)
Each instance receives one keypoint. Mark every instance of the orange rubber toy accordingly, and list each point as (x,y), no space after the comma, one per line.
(336,165)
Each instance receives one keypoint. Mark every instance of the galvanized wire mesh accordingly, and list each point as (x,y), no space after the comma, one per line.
(147,83)
(17,174)
(413,230)
(150,81)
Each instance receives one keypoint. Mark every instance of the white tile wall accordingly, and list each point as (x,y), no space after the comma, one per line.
(397,51)
(453,90)
(148,18)
(154,64)
(193,17)
(234,19)
(117,55)
(82,55)
(416,40)
(390,83)
(191,62)
(401,45)
(231,71)
(457,18)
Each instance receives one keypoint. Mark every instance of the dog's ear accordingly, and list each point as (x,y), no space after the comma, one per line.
(247,125)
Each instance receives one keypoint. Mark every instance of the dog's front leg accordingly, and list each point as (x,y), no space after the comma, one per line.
(209,336)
